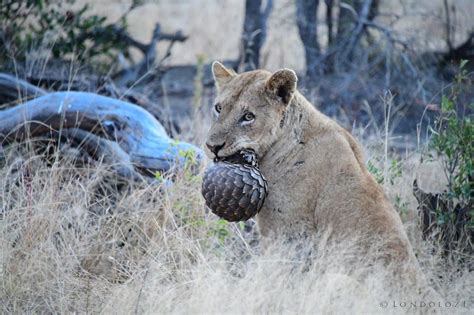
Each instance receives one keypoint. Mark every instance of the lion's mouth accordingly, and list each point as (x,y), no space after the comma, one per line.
(245,156)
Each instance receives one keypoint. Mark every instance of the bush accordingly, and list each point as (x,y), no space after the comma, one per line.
(451,213)
(29,24)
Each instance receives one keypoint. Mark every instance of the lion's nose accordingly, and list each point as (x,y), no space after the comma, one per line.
(215,148)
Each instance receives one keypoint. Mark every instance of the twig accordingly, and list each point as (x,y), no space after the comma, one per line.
(329,7)
(357,33)
(148,65)
(387,32)
(448,25)
(123,36)
(141,290)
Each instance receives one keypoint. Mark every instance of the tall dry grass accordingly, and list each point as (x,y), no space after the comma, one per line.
(71,243)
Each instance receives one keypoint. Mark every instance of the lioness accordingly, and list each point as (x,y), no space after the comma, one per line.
(317,178)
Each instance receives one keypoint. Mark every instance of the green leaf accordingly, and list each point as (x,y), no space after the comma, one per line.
(446,104)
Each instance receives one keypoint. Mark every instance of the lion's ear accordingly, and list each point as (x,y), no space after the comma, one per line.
(221,74)
(283,84)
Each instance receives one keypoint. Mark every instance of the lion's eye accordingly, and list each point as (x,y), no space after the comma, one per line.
(218,108)
(248,117)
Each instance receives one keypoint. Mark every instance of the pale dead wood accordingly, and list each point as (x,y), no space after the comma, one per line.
(135,131)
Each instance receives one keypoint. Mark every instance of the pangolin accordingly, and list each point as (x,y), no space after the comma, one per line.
(234,188)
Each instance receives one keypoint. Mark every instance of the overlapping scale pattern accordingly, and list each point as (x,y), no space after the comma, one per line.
(234,192)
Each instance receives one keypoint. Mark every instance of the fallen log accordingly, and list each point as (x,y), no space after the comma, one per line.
(13,89)
(107,151)
(141,140)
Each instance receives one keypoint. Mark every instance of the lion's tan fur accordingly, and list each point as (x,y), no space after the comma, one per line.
(317,178)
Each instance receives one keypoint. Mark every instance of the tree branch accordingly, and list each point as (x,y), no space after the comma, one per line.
(134,129)
(12,89)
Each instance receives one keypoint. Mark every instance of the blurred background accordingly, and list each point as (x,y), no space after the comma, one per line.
(215,27)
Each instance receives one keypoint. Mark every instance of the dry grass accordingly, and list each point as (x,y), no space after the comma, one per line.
(70,245)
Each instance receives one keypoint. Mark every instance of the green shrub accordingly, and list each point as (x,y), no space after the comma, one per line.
(450,214)
(452,142)
(26,25)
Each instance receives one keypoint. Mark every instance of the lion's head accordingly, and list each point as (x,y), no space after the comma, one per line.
(249,110)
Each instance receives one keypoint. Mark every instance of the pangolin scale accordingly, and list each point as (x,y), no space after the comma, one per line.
(234,191)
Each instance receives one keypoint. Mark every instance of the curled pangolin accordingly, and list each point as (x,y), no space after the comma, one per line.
(234,188)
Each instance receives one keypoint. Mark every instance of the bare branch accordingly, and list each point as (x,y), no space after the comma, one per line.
(448,25)
(357,33)
(306,17)
(12,89)
(135,130)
